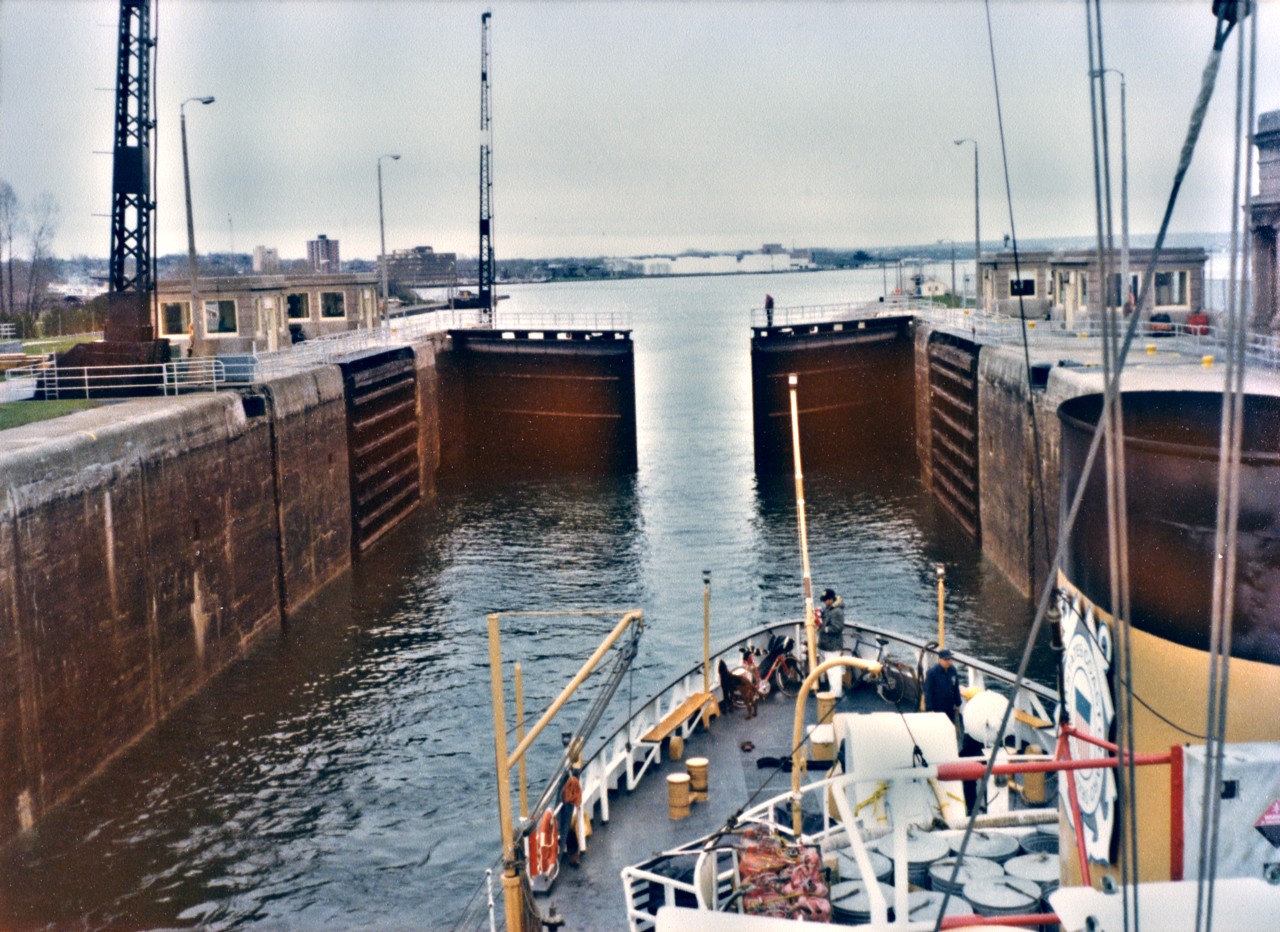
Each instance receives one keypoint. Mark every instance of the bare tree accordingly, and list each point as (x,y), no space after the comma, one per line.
(8,224)
(42,223)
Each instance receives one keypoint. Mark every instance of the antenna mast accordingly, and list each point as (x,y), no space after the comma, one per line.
(485,262)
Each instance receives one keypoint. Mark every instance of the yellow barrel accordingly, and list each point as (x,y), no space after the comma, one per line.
(675,747)
(826,706)
(678,795)
(697,767)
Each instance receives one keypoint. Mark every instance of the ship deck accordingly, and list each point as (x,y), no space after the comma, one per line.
(591,895)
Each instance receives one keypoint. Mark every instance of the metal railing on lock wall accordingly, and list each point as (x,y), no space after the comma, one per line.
(1195,340)
(45,379)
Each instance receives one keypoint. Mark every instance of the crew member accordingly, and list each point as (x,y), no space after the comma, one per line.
(570,800)
(831,638)
(942,686)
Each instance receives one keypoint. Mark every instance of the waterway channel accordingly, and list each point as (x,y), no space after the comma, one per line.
(342,775)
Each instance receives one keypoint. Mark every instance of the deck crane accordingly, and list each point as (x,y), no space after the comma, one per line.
(485,262)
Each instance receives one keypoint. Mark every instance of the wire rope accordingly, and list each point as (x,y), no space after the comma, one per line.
(1194,127)
(1229,455)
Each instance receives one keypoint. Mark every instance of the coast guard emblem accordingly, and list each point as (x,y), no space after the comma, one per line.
(1086,664)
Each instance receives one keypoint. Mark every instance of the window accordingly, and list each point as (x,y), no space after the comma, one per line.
(332,304)
(1118,298)
(299,306)
(1171,289)
(220,316)
(175,318)
(1022,287)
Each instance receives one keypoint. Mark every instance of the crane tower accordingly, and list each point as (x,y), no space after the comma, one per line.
(131,272)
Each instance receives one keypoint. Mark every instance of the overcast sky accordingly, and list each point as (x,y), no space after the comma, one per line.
(621,128)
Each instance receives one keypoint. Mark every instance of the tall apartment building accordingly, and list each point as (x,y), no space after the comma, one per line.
(322,253)
(266,260)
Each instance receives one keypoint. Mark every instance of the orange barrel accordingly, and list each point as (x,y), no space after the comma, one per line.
(697,774)
(678,795)
(826,706)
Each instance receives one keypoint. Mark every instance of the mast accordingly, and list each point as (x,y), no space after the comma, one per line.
(485,261)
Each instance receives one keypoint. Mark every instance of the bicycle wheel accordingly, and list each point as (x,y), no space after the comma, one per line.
(789,677)
(892,685)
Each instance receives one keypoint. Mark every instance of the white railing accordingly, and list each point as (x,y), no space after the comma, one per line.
(591,321)
(1194,341)
(325,350)
(46,377)
(797,315)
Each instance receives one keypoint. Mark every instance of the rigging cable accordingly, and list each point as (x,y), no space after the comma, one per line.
(1194,126)
(1229,462)
(1112,421)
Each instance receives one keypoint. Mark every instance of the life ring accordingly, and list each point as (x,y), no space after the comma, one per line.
(544,852)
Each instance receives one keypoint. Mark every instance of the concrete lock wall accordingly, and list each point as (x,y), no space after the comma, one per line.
(138,544)
(308,421)
(143,546)
(1012,480)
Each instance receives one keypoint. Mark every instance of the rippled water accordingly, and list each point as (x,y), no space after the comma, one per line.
(342,775)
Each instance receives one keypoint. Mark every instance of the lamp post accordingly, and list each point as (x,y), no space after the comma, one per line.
(197,315)
(382,232)
(977,235)
(1127,292)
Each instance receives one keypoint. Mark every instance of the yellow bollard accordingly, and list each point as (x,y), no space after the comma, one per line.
(826,706)
(1151,349)
(697,768)
(1206,361)
(678,795)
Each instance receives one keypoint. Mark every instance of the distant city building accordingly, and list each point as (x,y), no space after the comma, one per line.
(422,267)
(266,260)
(768,260)
(322,253)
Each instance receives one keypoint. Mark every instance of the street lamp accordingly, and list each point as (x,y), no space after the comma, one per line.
(1124,187)
(382,231)
(977,236)
(197,316)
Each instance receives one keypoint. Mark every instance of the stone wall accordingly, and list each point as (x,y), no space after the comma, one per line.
(429,355)
(1011,478)
(138,546)
(308,420)
(143,546)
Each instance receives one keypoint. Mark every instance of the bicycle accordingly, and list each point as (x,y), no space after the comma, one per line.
(781,666)
(896,681)
(778,667)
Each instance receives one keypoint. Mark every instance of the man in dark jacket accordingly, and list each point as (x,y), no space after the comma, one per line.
(831,638)
(942,687)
